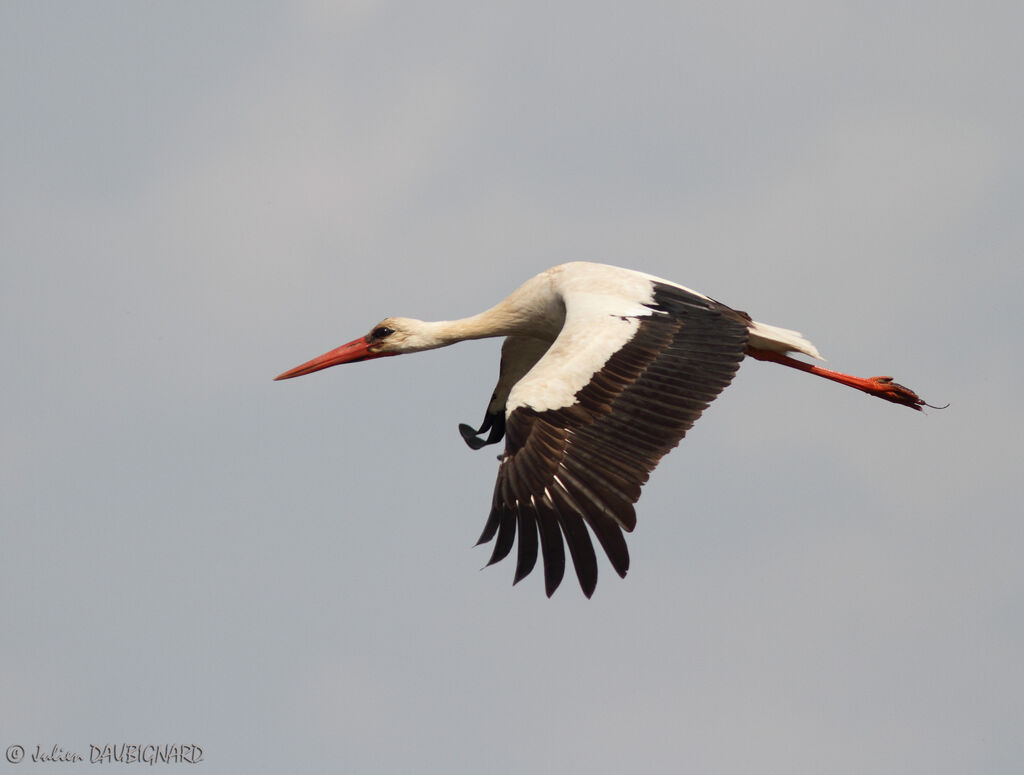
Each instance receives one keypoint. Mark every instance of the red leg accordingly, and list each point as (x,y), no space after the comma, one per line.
(882,387)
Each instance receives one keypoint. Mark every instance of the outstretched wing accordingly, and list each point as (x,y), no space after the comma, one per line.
(590,421)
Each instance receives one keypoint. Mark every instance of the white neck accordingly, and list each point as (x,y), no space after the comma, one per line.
(504,319)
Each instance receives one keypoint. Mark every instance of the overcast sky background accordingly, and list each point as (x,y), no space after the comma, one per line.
(195,197)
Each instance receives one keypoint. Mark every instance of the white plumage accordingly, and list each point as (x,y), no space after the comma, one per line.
(603,371)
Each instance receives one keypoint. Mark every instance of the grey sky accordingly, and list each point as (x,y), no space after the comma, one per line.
(194,198)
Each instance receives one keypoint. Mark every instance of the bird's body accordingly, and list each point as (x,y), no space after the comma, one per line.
(603,370)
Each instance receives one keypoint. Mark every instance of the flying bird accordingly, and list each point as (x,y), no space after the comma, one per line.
(603,371)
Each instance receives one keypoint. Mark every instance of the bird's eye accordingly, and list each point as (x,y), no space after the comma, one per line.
(382,332)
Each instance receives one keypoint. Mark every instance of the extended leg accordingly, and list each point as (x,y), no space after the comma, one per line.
(882,387)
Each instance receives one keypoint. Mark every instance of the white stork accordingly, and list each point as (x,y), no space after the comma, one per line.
(603,370)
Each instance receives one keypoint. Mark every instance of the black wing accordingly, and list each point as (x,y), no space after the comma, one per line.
(518,356)
(583,465)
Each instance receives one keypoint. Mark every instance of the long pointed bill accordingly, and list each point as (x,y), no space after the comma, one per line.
(356,350)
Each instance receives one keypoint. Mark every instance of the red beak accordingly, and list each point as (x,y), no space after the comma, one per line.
(356,350)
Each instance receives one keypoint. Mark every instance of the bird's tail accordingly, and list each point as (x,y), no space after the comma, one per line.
(766,337)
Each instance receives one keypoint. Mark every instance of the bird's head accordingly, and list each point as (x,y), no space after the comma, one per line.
(392,336)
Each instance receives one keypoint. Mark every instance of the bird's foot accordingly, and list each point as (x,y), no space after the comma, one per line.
(884,387)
